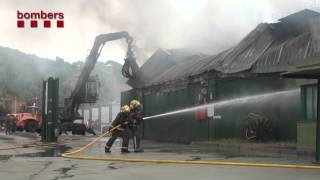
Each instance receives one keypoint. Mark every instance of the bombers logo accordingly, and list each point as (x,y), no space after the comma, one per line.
(40,19)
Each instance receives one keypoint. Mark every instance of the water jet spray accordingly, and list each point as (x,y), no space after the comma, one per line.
(223,103)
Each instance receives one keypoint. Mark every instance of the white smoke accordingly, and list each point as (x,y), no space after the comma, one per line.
(206,25)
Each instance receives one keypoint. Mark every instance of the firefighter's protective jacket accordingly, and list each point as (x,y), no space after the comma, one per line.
(122,118)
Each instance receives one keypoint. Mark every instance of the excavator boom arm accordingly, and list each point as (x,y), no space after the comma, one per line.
(70,109)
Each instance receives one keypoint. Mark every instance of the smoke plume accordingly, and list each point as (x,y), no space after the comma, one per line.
(208,26)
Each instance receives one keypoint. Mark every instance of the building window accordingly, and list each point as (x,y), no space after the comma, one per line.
(310,105)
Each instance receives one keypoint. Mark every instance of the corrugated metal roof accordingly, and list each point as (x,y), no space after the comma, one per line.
(300,16)
(268,48)
(156,65)
(283,57)
(160,62)
(180,70)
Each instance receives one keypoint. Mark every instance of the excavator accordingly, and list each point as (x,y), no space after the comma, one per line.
(86,88)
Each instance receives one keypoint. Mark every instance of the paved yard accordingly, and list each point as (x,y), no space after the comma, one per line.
(44,162)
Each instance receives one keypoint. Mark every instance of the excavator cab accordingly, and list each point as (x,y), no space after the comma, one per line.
(91,90)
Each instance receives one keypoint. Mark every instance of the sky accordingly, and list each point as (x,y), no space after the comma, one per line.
(207,26)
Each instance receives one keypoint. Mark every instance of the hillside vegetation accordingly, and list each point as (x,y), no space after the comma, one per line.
(22,74)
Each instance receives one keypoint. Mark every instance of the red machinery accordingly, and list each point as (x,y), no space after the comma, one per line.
(28,119)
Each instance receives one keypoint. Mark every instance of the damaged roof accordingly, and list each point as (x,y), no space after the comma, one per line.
(161,61)
(269,48)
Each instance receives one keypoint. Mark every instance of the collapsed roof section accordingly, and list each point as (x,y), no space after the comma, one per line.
(161,61)
(269,48)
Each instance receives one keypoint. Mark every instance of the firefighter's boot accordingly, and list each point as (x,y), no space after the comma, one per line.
(125,150)
(107,150)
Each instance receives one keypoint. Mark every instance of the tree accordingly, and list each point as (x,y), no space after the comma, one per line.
(4,111)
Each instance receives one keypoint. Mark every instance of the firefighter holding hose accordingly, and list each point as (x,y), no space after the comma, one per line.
(136,118)
(122,119)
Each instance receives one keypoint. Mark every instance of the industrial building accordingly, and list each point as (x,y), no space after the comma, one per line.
(175,80)
(307,74)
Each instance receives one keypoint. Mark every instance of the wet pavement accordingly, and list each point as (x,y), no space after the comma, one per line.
(23,157)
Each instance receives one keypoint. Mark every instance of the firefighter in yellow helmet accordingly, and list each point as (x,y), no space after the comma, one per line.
(122,119)
(125,108)
(136,118)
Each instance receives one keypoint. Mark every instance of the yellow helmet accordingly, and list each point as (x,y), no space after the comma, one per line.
(125,108)
(134,104)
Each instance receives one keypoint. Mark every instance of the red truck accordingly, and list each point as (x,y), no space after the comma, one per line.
(28,119)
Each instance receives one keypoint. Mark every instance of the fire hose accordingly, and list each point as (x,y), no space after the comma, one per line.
(73,155)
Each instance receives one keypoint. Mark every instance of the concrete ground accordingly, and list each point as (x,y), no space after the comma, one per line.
(23,157)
